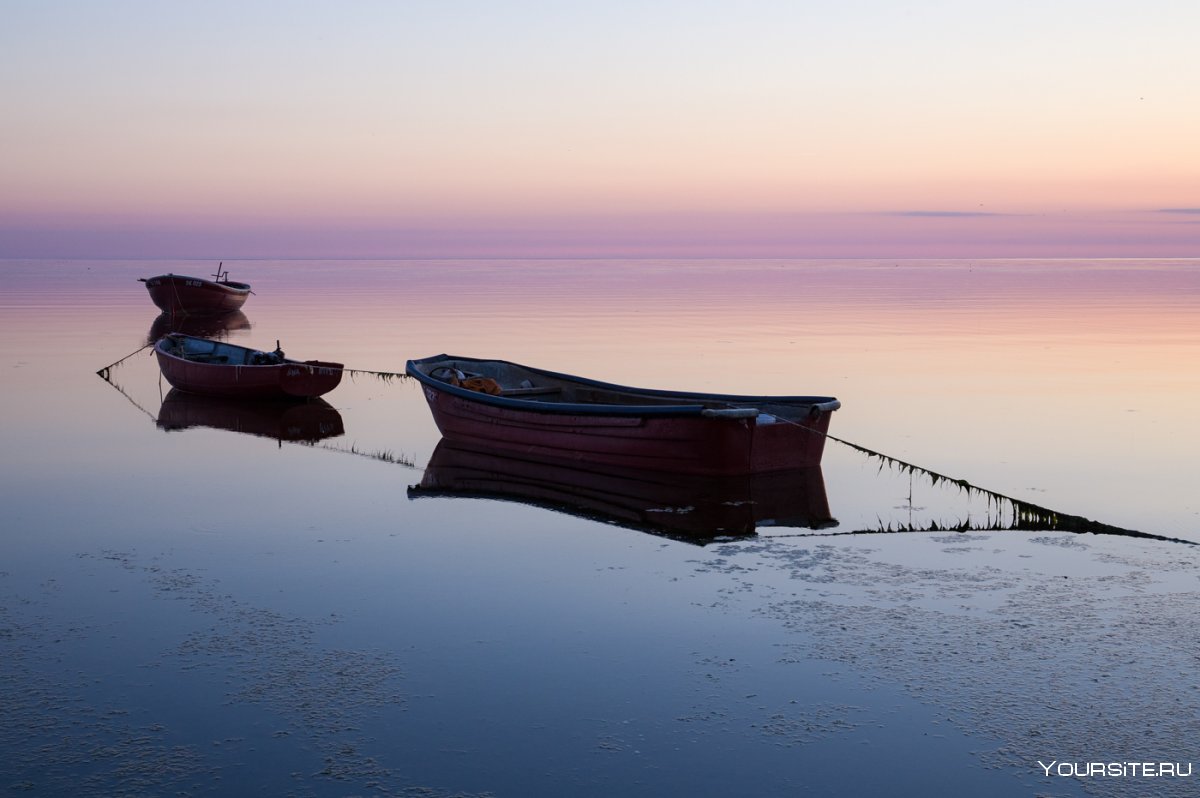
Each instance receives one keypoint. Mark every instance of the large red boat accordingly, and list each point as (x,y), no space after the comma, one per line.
(542,413)
(176,294)
(216,368)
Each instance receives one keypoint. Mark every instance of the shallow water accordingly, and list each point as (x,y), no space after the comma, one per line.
(192,602)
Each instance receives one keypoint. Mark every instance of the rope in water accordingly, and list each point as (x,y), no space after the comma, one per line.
(887,459)
(1026,513)
(106,372)
(385,375)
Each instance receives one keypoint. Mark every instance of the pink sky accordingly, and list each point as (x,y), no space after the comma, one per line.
(664,130)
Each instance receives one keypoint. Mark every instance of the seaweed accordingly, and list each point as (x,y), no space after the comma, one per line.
(1026,516)
(383,376)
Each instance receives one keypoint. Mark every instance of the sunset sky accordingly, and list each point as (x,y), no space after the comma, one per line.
(860,128)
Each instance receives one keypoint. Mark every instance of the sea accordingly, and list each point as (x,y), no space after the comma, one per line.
(988,587)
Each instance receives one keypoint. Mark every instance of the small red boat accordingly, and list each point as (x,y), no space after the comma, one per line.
(176,294)
(216,368)
(547,414)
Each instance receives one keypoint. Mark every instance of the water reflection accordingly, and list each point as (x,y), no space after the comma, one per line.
(282,420)
(691,508)
(202,326)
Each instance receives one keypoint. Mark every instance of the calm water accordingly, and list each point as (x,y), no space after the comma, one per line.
(193,601)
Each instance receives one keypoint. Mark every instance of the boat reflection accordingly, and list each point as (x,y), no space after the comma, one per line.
(281,420)
(201,326)
(695,509)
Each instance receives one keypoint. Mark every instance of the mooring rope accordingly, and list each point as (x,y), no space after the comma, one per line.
(1026,515)
(106,372)
(386,376)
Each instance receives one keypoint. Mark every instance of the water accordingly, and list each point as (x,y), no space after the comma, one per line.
(193,601)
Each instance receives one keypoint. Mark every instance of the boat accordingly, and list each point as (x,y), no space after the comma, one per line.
(278,419)
(531,411)
(177,294)
(690,508)
(217,368)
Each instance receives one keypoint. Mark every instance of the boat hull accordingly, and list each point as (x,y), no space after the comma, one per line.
(176,294)
(299,380)
(685,438)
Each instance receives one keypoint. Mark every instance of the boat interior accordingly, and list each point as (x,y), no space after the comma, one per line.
(510,380)
(203,350)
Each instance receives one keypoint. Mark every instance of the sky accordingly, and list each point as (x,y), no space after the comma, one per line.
(861,128)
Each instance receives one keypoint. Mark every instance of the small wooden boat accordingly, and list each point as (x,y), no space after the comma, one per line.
(547,414)
(217,368)
(279,419)
(686,507)
(177,294)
